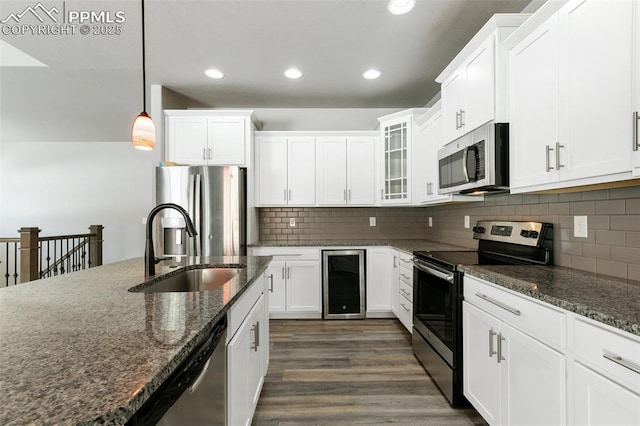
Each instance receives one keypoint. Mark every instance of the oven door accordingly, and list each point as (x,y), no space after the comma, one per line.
(435,296)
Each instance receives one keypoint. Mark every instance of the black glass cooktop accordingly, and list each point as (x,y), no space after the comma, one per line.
(450,259)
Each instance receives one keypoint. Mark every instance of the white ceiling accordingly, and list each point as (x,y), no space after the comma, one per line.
(91,88)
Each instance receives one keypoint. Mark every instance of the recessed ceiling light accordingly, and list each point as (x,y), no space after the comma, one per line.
(214,73)
(371,74)
(293,73)
(400,7)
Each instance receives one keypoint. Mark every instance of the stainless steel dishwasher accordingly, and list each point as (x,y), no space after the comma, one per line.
(343,283)
(194,394)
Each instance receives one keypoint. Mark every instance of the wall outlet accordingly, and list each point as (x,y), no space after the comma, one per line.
(467,222)
(430,222)
(292,222)
(580,227)
(372,221)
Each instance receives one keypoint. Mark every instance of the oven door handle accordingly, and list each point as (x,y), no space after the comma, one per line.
(429,270)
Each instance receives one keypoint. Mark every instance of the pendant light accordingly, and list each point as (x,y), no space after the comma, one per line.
(143,132)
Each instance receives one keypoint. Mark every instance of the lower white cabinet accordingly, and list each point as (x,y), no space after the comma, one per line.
(247,354)
(402,298)
(509,375)
(600,401)
(379,281)
(294,285)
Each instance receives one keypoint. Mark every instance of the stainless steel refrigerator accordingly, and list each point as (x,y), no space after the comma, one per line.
(215,198)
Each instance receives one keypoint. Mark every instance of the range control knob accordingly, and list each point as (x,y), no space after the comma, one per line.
(524,233)
(478,229)
(533,234)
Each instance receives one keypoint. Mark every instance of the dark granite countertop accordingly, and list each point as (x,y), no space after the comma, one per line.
(612,301)
(408,246)
(81,349)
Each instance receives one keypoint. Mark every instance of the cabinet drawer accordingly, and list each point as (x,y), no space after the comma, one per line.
(288,253)
(406,291)
(533,318)
(614,355)
(405,312)
(405,277)
(405,260)
(241,308)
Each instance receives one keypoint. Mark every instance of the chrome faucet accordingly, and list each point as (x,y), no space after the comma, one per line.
(149,256)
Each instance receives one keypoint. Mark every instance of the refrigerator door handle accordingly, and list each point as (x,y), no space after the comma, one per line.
(196,214)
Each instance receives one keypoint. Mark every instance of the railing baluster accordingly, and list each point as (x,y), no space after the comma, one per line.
(15,263)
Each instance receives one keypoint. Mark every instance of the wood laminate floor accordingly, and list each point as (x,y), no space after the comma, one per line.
(344,372)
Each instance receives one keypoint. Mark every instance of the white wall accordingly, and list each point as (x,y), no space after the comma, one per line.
(63,187)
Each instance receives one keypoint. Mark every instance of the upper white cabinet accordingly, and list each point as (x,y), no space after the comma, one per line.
(397,132)
(571,95)
(636,81)
(209,137)
(346,170)
(474,84)
(285,170)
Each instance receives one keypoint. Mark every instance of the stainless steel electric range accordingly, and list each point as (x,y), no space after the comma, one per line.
(437,293)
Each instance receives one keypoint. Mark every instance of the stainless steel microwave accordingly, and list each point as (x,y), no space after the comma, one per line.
(477,162)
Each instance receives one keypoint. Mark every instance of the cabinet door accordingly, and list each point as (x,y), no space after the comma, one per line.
(534,106)
(635,156)
(239,392)
(379,280)
(396,137)
(331,162)
(226,140)
(275,274)
(596,89)
(452,103)
(272,171)
(256,353)
(187,140)
(301,172)
(361,171)
(479,89)
(481,382)
(303,287)
(422,159)
(395,283)
(599,401)
(531,371)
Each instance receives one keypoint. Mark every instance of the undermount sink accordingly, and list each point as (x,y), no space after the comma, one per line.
(191,280)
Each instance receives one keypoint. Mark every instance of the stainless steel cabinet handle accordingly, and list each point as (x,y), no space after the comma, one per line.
(271,283)
(289,195)
(395,265)
(254,345)
(203,154)
(558,146)
(382,194)
(499,354)
(621,361)
(257,335)
(405,308)
(349,195)
(491,351)
(288,272)
(462,113)
(457,120)
(405,276)
(549,149)
(344,194)
(406,293)
(283,277)
(210,153)
(499,304)
(636,119)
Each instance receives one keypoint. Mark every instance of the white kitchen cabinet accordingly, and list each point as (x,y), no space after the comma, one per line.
(599,401)
(474,83)
(572,95)
(506,367)
(606,386)
(402,297)
(209,137)
(635,156)
(379,281)
(396,133)
(247,353)
(286,170)
(297,289)
(346,170)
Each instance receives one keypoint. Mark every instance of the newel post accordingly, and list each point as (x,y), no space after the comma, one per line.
(29,254)
(95,245)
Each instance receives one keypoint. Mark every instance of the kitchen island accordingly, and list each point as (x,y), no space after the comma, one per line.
(81,349)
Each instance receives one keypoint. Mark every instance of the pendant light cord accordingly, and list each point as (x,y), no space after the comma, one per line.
(144,72)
